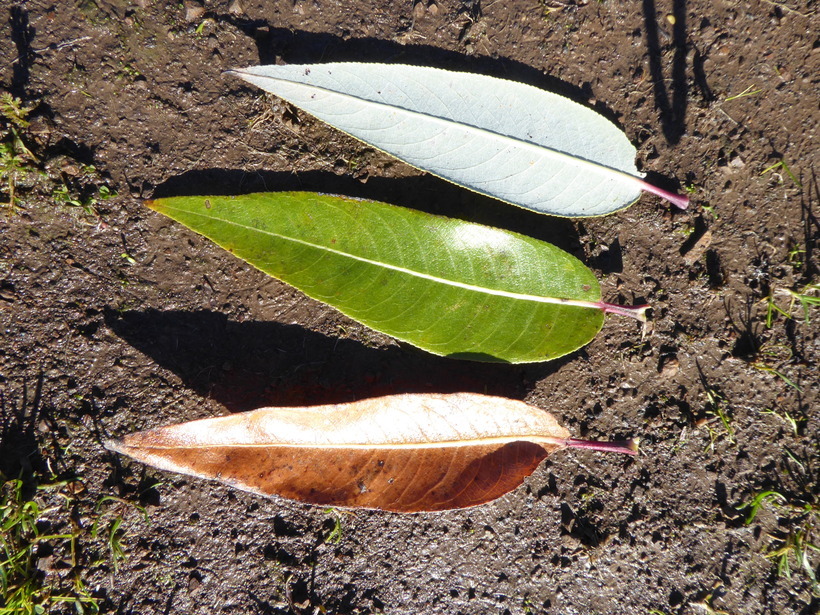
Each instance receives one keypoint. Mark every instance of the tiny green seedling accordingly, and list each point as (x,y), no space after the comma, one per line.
(757,501)
(788,418)
(706,606)
(750,91)
(717,409)
(85,194)
(807,297)
(710,209)
(796,543)
(763,367)
(113,532)
(16,160)
(335,534)
(781,164)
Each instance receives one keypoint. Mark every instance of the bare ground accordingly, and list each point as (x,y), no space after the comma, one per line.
(115,319)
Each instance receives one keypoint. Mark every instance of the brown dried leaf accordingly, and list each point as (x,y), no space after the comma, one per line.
(403,453)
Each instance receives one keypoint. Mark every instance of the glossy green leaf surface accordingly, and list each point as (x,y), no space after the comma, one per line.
(501,138)
(451,287)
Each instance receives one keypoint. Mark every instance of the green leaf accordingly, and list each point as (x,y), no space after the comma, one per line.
(504,139)
(450,287)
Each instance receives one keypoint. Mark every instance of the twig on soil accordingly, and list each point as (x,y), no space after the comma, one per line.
(780,5)
(733,120)
(51,47)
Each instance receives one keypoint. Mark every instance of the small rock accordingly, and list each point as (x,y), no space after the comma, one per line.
(433,9)
(419,10)
(193,11)
(669,367)
(45,564)
(694,253)
(194,581)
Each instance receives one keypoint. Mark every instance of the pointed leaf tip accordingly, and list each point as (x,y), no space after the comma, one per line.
(115,445)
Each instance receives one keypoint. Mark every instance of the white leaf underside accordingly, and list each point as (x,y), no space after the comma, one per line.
(504,139)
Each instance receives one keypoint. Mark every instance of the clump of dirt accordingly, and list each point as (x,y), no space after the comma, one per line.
(115,319)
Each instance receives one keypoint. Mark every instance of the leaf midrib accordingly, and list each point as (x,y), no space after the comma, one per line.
(506,439)
(418,274)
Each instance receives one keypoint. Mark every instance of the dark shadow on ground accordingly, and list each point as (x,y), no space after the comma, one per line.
(672,108)
(299,47)
(246,365)
(27,430)
(424,192)
(22,34)
(19,450)
(811,225)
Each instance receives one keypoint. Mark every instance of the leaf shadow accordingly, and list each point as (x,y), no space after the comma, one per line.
(247,365)
(423,192)
(284,45)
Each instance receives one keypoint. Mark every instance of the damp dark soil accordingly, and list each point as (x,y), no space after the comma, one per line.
(116,319)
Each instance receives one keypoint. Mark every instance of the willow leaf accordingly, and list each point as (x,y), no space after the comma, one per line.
(504,139)
(404,453)
(451,287)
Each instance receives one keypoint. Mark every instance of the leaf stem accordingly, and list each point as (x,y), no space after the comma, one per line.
(678,200)
(627,447)
(638,312)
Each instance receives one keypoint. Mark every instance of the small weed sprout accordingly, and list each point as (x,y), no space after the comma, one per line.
(750,91)
(85,196)
(781,165)
(807,297)
(335,534)
(707,607)
(16,160)
(773,353)
(796,544)
(21,537)
(788,418)
(113,532)
(21,172)
(710,209)
(718,411)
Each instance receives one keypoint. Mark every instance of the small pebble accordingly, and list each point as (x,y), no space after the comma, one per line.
(193,11)
(698,249)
